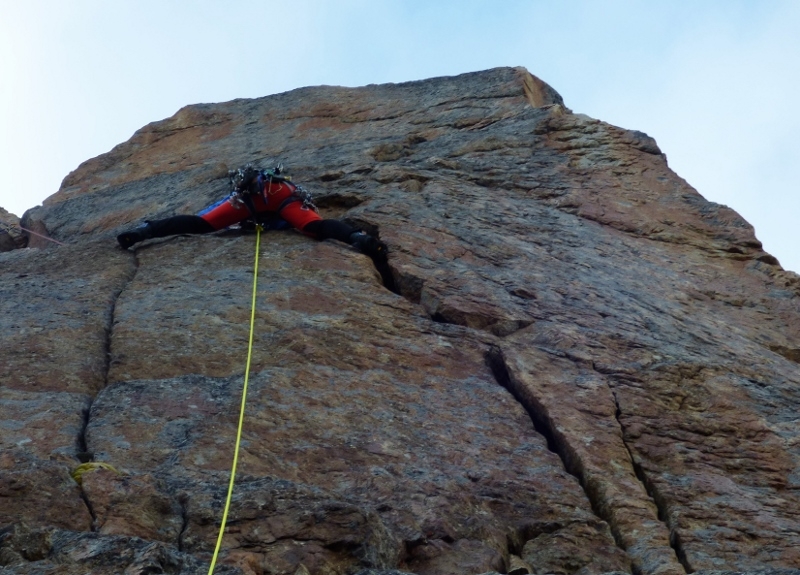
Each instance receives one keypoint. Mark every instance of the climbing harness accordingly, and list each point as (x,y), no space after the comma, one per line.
(249,180)
(241,410)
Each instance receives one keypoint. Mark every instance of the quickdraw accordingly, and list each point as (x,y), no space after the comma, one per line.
(250,180)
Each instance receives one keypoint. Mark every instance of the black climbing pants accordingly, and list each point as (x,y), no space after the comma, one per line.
(319,229)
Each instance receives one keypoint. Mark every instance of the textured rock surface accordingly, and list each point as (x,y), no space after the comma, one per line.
(581,363)
(11,236)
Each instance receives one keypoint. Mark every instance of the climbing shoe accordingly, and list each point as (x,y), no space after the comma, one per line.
(127,239)
(369,246)
(143,232)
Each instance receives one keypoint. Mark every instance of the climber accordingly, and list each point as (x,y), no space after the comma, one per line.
(264,197)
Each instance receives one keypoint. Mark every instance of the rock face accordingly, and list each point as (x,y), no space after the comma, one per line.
(11,236)
(578,364)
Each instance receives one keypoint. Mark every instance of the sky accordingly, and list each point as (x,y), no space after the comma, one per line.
(715,82)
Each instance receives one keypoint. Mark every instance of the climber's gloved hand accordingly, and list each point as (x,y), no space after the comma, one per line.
(369,245)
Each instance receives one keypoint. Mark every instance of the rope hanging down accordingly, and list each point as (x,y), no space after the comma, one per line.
(241,410)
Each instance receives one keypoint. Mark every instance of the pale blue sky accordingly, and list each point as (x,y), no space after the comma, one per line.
(715,82)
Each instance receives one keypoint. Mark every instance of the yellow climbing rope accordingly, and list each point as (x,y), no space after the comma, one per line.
(241,410)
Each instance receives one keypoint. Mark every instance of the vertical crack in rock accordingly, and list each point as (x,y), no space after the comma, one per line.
(544,425)
(88,504)
(183,501)
(85,456)
(541,423)
(110,318)
(652,491)
(83,453)
(383,267)
(387,277)
(672,555)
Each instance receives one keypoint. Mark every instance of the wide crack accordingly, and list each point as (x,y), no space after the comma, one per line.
(559,445)
(381,265)
(545,426)
(652,491)
(541,423)
(83,454)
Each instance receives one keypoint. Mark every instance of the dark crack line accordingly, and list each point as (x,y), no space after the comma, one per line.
(382,266)
(83,454)
(387,278)
(544,425)
(112,315)
(183,501)
(650,488)
(541,421)
(88,504)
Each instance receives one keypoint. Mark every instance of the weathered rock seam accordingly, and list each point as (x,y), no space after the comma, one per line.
(545,427)
(112,315)
(84,455)
(559,445)
(650,488)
